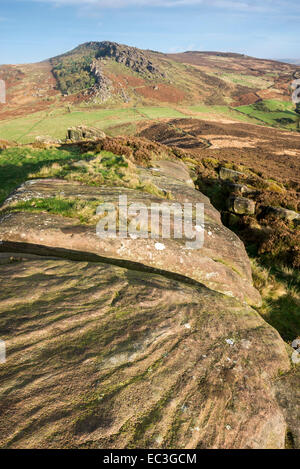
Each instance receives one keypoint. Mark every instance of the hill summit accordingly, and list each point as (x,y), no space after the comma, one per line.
(108,73)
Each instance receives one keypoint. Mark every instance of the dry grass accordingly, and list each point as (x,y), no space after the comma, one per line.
(83,210)
(98,169)
(280,290)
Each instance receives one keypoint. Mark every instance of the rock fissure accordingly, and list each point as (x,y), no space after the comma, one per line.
(79,256)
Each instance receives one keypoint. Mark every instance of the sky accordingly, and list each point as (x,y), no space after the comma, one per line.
(34,30)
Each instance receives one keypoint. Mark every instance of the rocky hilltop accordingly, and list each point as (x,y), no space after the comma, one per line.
(132,343)
(133,58)
(112,73)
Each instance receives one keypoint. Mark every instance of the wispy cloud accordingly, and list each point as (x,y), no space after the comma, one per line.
(235,5)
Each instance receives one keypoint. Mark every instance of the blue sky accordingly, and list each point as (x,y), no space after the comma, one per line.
(32,30)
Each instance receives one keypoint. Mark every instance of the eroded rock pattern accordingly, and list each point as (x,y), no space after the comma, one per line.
(105,357)
(116,344)
(82,132)
(222,263)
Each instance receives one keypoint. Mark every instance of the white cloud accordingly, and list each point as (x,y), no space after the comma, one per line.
(286,10)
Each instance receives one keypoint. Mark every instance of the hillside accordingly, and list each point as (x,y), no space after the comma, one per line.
(130,342)
(110,74)
(135,341)
(291,61)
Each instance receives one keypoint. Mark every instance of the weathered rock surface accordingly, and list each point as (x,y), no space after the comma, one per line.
(241,205)
(45,139)
(288,396)
(222,263)
(284,213)
(239,188)
(103,89)
(227,174)
(131,57)
(82,132)
(173,170)
(104,357)
(112,343)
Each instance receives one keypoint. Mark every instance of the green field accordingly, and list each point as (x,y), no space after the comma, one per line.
(160,113)
(122,120)
(272,112)
(55,124)
(246,80)
(223,111)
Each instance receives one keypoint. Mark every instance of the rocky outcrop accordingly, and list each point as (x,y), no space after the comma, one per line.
(108,357)
(230,175)
(82,132)
(238,188)
(241,205)
(121,343)
(133,58)
(47,140)
(136,59)
(103,89)
(285,214)
(222,263)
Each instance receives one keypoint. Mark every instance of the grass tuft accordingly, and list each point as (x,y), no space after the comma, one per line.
(280,289)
